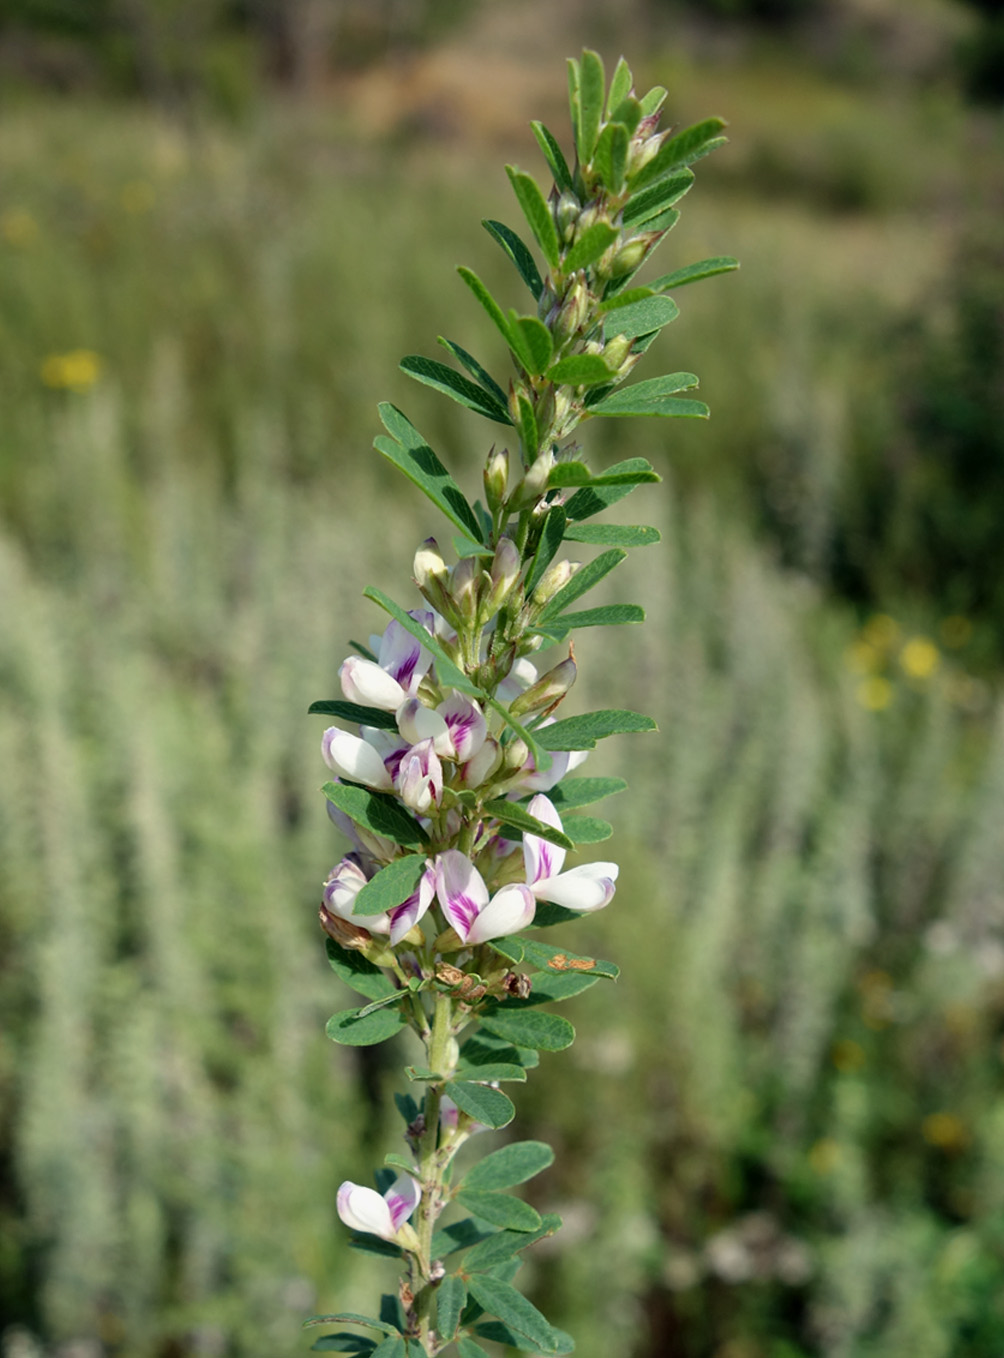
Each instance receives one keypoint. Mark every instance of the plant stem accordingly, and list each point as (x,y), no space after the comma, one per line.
(433,1161)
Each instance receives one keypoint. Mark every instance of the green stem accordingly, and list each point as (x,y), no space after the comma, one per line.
(433,1160)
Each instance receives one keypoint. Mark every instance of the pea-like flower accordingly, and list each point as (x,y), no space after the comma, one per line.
(475,915)
(420,778)
(364,1209)
(395,674)
(354,758)
(590,886)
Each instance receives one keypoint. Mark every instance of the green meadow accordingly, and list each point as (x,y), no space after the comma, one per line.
(797,1150)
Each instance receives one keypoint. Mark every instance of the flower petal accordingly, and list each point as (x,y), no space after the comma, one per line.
(368,684)
(420,778)
(509,910)
(402,655)
(354,759)
(590,886)
(406,915)
(417,722)
(461,890)
(363,1209)
(541,857)
(466,724)
(402,1198)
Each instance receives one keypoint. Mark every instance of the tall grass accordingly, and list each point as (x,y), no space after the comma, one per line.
(799,1148)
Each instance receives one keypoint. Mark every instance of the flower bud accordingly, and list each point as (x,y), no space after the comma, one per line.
(416,722)
(615,351)
(535,481)
(630,255)
(465,578)
(420,778)
(496,477)
(431,575)
(573,310)
(554,578)
(366,683)
(517,752)
(483,764)
(566,214)
(506,566)
(549,689)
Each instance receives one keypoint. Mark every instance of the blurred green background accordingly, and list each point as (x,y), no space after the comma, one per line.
(221,224)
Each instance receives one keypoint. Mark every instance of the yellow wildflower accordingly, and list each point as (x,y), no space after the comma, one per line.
(76,370)
(920,657)
(874,693)
(18,227)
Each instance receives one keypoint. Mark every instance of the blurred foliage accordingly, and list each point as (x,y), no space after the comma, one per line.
(798,1148)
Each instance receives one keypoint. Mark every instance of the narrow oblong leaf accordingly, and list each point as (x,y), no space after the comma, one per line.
(580,370)
(382,1003)
(466,393)
(545,1032)
(663,407)
(536,212)
(592,88)
(392,1347)
(653,101)
(683,149)
(391,886)
(575,792)
(692,273)
(537,345)
(513,1309)
(459,1235)
(511,813)
(593,242)
(589,829)
(377,812)
(640,318)
(487,301)
(613,534)
(554,156)
(447,670)
(363,716)
(358,972)
(653,201)
(451,1298)
(584,579)
(620,86)
(408,450)
(551,538)
(480,375)
(609,615)
(484,1104)
(610,156)
(505,1051)
(593,499)
(496,1249)
(560,960)
(582,733)
(528,431)
(344,1343)
(548,989)
(350,1318)
(466,1348)
(510,1165)
(518,252)
(348,1029)
(498,1209)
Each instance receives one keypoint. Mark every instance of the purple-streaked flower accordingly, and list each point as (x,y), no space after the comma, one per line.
(590,886)
(389,746)
(344,884)
(367,683)
(562,762)
(466,725)
(405,916)
(482,765)
(420,778)
(394,676)
(416,722)
(364,1209)
(353,758)
(476,916)
(368,844)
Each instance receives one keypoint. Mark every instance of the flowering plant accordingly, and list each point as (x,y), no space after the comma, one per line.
(456,793)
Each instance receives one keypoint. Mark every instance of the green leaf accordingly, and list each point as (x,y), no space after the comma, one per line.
(358,972)
(437,375)
(549,989)
(408,450)
(609,615)
(395,1161)
(545,1032)
(487,301)
(594,241)
(584,579)
(554,156)
(536,346)
(390,1348)
(653,201)
(536,212)
(351,1318)
(593,499)
(365,716)
(500,1210)
(498,1072)
(548,914)
(575,102)
(372,1244)
(649,397)
(390,887)
(496,1249)
(344,1343)
(528,432)
(582,733)
(640,318)
(560,961)
(512,1308)
(382,1003)
(653,101)
(510,1165)
(511,813)
(620,86)
(683,149)
(580,370)
(459,1235)
(377,812)
(350,1030)
(550,540)
(499,1333)
(483,1048)
(517,252)
(481,1102)
(480,375)
(666,408)
(466,1348)
(407,1107)
(451,1298)
(588,829)
(574,792)
(610,156)
(705,268)
(510,948)
(628,112)
(592,88)
(449,673)
(613,534)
